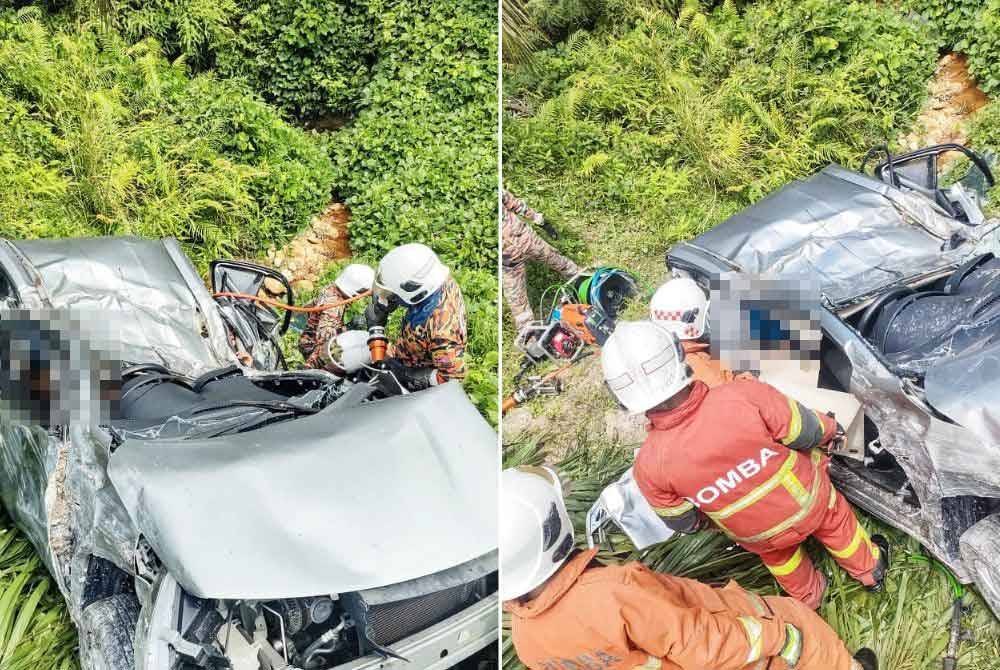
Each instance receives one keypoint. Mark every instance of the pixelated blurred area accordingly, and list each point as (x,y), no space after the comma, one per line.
(759,318)
(54,371)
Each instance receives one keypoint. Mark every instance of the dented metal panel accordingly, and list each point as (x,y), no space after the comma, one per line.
(853,233)
(965,388)
(337,501)
(143,294)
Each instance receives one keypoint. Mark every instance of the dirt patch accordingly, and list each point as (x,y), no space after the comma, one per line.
(953,98)
(583,414)
(307,256)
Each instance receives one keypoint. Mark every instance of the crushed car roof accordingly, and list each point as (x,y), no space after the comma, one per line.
(855,234)
(146,296)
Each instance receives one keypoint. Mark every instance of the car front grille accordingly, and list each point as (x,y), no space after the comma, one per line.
(383,624)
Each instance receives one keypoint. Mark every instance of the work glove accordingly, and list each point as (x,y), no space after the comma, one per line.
(791,650)
(378,310)
(839,435)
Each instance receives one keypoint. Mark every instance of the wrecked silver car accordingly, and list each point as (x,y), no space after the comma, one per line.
(910,322)
(225,516)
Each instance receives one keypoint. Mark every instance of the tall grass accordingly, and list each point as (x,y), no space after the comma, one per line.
(35,629)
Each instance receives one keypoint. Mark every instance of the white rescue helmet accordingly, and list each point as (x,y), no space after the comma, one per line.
(644,365)
(536,534)
(412,272)
(349,351)
(354,279)
(681,307)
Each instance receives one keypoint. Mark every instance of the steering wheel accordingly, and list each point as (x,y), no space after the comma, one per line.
(871,313)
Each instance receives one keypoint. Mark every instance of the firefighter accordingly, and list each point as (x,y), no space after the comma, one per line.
(568,611)
(681,307)
(430,348)
(322,327)
(744,456)
(520,244)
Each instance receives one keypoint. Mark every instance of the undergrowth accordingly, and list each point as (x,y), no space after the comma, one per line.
(99,137)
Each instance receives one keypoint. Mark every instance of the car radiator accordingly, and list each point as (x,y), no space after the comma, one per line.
(382,624)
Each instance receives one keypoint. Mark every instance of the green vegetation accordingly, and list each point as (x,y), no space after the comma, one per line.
(971,27)
(35,630)
(952,20)
(102,138)
(311,59)
(634,128)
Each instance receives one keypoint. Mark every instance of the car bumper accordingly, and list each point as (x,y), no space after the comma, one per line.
(443,645)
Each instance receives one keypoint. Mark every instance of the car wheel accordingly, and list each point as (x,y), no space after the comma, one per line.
(107,631)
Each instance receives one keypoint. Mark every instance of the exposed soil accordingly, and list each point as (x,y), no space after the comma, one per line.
(307,256)
(954,98)
(584,413)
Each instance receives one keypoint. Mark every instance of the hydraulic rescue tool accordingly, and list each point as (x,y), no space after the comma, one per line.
(582,313)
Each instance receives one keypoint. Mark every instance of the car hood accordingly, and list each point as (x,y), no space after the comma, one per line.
(354,497)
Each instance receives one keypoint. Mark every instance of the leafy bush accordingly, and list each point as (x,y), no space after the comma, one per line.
(102,138)
(985,131)
(198,30)
(982,47)
(560,17)
(418,163)
(951,20)
(311,58)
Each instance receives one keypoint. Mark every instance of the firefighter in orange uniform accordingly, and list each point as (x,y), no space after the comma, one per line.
(568,612)
(743,455)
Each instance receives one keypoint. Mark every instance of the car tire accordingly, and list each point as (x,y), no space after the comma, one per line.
(107,632)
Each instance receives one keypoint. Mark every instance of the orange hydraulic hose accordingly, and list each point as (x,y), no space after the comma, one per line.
(293,308)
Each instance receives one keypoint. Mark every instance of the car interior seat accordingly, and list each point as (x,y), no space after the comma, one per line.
(919,326)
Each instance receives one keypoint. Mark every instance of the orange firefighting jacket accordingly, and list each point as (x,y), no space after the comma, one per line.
(626,617)
(744,455)
(707,369)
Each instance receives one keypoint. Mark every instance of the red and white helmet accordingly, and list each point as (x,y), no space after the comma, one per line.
(680,306)
(644,365)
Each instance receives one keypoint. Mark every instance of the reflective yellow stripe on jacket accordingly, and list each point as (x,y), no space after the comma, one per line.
(789,566)
(679,510)
(794,425)
(783,477)
(860,535)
